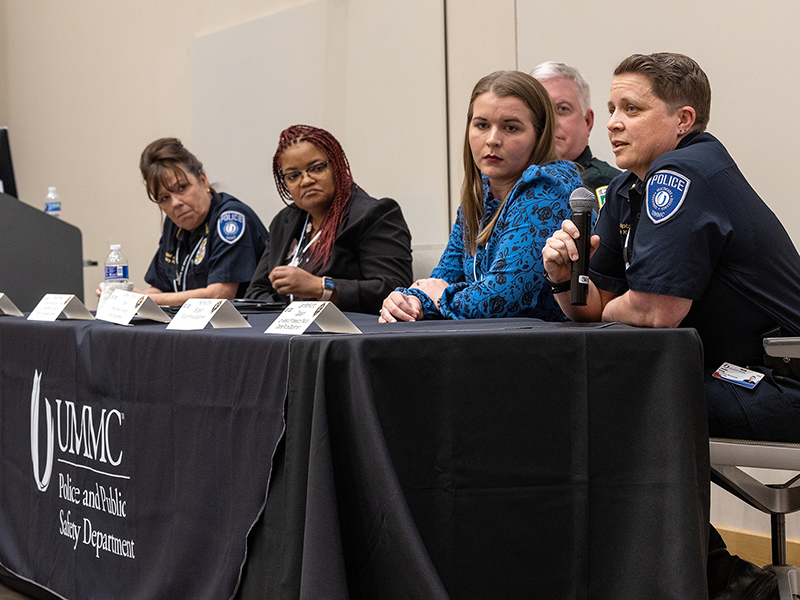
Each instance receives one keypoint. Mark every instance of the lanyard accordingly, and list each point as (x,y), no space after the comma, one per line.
(298,254)
(180,275)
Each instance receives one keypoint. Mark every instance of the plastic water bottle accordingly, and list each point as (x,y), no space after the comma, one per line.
(116,265)
(52,206)
(116,275)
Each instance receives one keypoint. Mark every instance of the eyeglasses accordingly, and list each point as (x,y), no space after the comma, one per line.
(314,171)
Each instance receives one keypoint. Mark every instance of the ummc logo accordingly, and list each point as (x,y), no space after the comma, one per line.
(79,433)
(48,470)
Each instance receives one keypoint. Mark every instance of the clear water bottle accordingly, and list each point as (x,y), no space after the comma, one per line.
(52,205)
(116,275)
(116,266)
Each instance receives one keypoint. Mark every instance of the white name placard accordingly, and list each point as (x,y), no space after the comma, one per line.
(52,305)
(296,318)
(122,306)
(7,307)
(196,313)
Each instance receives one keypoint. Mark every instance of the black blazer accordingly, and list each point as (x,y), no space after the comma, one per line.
(370,256)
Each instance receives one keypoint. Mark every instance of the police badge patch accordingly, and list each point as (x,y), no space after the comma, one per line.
(666,191)
(201,252)
(230,226)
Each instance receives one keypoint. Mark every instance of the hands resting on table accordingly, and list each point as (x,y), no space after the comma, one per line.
(404,307)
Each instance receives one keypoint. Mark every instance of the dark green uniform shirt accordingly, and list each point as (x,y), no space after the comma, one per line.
(595,173)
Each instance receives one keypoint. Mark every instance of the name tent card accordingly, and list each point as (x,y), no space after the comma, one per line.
(7,307)
(297,317)
(196,313)
(52,305)
(122,306)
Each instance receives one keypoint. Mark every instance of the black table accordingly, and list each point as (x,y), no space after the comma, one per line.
(491,459)
(484,459)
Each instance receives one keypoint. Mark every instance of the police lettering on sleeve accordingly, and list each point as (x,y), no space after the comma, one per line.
(230,226)
(666,191)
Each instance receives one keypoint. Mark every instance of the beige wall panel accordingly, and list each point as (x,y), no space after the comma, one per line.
(90,83)
(481,39)
(750,52)
(370,72)
(3,64)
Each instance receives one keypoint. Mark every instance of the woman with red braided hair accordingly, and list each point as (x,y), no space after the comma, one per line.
(334,242)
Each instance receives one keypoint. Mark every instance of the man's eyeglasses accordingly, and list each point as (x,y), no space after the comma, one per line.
(314,171)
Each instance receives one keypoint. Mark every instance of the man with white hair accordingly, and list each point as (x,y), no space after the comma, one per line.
(572,100)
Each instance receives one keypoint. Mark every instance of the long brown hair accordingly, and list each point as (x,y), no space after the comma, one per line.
(343,182)
(504,84)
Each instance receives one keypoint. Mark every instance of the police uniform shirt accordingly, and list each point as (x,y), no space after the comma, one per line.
(595,173)
(696,229)
(224,249)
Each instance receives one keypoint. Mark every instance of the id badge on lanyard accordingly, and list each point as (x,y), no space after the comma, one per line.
(179,283)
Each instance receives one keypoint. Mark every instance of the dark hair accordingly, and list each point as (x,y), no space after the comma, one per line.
(343,181)
(504,84)
(676,79)
(166,155)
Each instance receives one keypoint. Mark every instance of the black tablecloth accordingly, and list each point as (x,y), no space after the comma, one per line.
(160,453)
(483,459)
(495,459)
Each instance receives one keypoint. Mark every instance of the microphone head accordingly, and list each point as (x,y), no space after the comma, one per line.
(583,199)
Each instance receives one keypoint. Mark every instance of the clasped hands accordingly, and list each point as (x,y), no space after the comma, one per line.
(295,281)
(403,307)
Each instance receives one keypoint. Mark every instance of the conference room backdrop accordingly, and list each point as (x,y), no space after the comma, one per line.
(86,84)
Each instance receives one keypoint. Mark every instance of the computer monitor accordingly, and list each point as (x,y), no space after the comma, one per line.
(8,185)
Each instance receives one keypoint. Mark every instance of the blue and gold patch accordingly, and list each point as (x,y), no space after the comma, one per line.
(230,226)
(666,191)
(201,252)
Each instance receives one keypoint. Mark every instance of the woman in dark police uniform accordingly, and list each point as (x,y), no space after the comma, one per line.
(210,242)
(685,241)
(515,194)
(334,242)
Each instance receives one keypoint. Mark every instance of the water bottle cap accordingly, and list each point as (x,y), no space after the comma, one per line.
(115,246)
(51,189)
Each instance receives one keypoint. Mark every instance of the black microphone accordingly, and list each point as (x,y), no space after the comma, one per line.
(582,202)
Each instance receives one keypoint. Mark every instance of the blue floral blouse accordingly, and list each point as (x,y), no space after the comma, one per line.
(505,278)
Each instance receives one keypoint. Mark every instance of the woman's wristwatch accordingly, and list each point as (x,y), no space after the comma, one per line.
(558,288)
(327,288)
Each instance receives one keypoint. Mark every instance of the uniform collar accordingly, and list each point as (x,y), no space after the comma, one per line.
(585,157)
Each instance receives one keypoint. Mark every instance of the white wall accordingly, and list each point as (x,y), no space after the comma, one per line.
(251,81)
(749,50)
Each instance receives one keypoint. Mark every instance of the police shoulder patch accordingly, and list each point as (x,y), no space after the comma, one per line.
(666,191)
(230,226)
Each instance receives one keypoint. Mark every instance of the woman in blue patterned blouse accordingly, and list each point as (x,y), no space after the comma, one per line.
(515,195)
